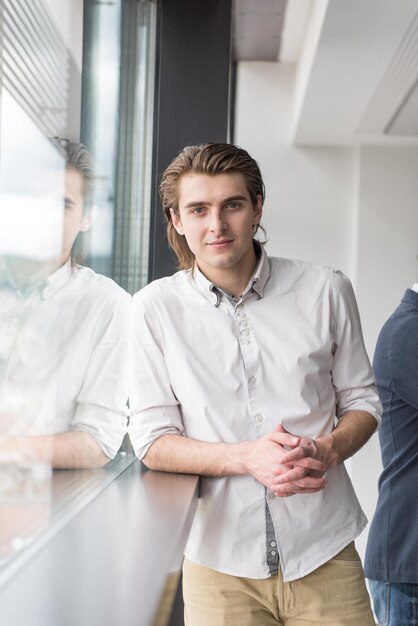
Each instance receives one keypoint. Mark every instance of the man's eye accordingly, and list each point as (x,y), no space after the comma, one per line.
(198,210)
(233,205)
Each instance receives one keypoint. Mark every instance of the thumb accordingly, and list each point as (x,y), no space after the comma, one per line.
(292,439)
(284,438)
(281,429)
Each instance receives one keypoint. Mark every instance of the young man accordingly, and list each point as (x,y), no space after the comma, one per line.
(63,345)
(242,365)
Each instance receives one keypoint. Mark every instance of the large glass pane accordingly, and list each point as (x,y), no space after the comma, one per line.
(117,125)
(100,118)
(73,219)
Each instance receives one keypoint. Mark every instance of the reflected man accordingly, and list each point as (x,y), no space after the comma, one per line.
(63,385)
(251,371)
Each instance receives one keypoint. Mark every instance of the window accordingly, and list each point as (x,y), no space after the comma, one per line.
(70,71)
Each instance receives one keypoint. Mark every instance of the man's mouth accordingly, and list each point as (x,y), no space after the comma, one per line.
(220,243)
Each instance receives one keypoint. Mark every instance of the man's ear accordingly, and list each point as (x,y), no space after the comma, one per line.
(258,210)
(88,219)
(177,222)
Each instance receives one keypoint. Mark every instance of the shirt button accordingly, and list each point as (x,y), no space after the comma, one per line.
(252,380)
(273,553)
(245,333)
(243,324)
(273,544)
(259,418)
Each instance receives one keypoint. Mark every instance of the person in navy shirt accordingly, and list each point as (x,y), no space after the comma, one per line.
(391,563)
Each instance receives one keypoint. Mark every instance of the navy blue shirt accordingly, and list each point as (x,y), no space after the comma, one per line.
(392,549)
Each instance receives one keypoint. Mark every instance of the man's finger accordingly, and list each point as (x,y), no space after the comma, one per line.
(310,482)
(291,489)
(294,474)
(298,456)
(284,439)
(309,462)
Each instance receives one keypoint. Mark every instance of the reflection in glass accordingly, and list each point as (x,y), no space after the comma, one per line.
(40,57)
(62,326)
(62,350)
(63,385)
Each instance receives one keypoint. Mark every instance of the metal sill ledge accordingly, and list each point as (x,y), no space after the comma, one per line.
(114,540)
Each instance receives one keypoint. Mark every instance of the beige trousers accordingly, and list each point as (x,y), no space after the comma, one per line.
(335,594)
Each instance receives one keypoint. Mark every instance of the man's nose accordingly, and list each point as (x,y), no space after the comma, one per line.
(218,223)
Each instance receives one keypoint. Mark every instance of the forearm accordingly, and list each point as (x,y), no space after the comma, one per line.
(263,459)
(71,450)
(353,430)
(174,453)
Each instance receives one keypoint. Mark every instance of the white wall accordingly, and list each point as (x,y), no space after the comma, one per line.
(386,265)
(388,232)
(310,192)
(355,209)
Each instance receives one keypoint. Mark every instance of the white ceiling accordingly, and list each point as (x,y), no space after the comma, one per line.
(357,63)
(405,121)
(358,82)
(256,29)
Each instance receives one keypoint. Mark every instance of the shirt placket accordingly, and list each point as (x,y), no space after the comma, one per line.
(250,356)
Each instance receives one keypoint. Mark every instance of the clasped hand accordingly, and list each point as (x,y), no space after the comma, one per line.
(288,464)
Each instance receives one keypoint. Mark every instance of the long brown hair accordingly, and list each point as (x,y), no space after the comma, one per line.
(78,159)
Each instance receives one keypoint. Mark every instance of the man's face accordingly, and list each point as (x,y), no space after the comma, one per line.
(74,220)
(217,218)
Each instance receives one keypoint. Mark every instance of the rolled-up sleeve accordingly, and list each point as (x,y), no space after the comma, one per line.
(154,408)
(101,405)
(352,374)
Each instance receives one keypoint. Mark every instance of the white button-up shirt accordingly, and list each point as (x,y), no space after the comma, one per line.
(63,356)
(289,351)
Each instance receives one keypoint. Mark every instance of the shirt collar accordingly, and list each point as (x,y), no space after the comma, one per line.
(38,283)
(261,274)
(410,297)
(58,279)
(256,283)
